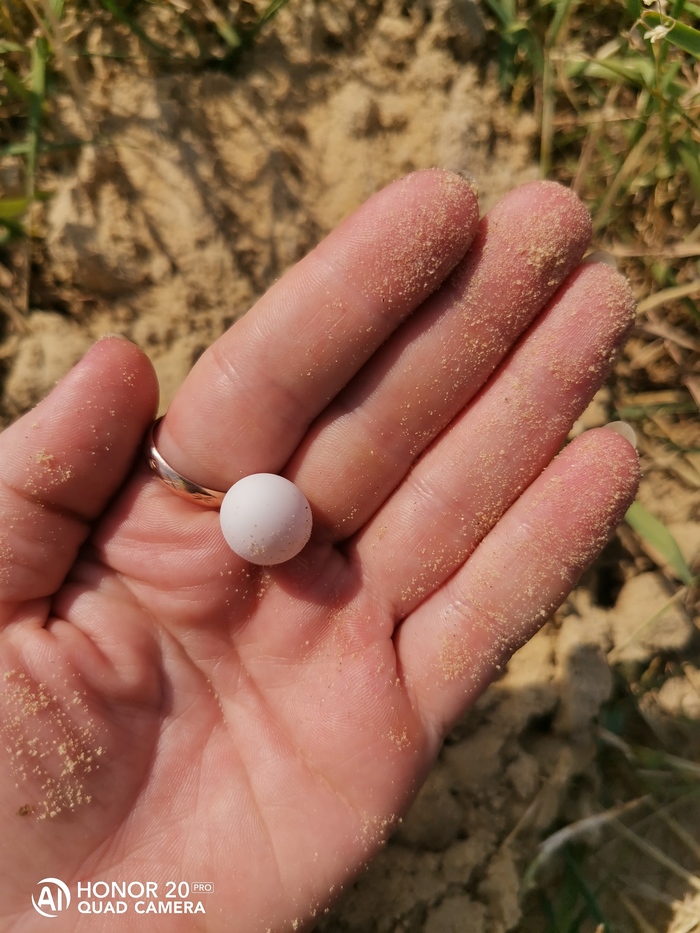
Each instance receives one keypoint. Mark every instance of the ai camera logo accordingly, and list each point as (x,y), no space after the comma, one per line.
(53,897)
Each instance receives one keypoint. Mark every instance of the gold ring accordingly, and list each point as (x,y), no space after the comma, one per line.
(176,482)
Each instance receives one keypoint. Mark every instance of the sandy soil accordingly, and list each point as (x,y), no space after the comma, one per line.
(198,193)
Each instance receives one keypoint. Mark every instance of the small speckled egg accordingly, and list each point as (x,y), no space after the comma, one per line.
(265,518)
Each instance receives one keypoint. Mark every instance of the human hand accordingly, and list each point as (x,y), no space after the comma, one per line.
(171,713)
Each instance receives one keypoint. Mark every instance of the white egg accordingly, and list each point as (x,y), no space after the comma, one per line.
(265,518)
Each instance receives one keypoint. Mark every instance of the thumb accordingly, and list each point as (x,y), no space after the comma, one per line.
(62,462)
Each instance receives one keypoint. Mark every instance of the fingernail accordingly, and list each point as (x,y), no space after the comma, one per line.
(625,429)
(467,176)
(600,255)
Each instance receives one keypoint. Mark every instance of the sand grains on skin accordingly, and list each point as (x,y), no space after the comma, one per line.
(53,745)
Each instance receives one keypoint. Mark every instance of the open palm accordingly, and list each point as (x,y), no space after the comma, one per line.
(174,715)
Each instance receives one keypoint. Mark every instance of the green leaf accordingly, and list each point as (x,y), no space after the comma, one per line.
(6,46)
(503,11)
(228,34)
(685,37)
(639,72)
(273,8)
(14,84)
(690,157)
(10,208)
(13,149)
(591,901)
(506,63)
(13,231)
(660,538)
(37,84)
(560,14)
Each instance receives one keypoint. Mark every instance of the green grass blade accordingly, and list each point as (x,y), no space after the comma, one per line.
(273,8)
(507,51)
(228,33)
(14,149)
(660,538)
(690,157)
(559,17)
(502,12)
(22,149)
(11,208)
(13,83)
(684,37)
(37,78)
(638,412)
(639,73)
(566,905)
(14,231)
(592,907)
(6,46)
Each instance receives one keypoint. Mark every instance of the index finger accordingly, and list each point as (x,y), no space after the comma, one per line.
(251,396)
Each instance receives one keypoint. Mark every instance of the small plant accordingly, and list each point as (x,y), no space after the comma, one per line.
(617,90)
(581,63)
